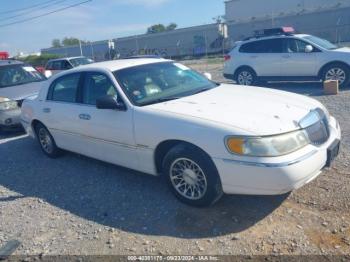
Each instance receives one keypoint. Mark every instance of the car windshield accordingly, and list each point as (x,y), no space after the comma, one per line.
(159,82)
(13,75)
(321,42)
(80,61)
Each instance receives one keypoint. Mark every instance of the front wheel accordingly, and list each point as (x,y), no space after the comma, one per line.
(245,77)
(337,72)
(192,176)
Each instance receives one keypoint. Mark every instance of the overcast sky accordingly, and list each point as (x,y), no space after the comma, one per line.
(96,20)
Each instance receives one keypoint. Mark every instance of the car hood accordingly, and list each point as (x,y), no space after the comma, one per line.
(259,111)
(21,92)
(342,49)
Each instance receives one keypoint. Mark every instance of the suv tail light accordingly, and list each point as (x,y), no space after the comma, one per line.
(227,57)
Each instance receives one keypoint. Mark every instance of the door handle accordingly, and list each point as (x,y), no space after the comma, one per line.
(47,110)
(84,116)
(286,56)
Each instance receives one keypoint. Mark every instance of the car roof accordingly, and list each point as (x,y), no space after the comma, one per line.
(66,58)
(253,39)
(10,62)
(115,65)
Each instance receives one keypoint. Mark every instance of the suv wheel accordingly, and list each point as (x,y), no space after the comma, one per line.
(337,72)
(245,77)
(192,176)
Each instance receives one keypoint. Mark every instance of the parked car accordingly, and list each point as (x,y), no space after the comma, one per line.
(160,117)
(55,66)
(17,82)
(280,54)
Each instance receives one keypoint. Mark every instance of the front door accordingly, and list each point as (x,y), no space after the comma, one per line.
(108,133)
(295,61)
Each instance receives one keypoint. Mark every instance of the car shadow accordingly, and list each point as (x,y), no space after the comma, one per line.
(11,133)
(304,88)
(122,199)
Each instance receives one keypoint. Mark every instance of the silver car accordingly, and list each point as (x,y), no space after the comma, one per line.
(17,82)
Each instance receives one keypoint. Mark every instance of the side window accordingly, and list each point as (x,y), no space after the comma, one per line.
(273,46)
(97,85)
(66,65)
(263,46)
(56,65)
(65,88)
(49,66)
(295,45)
(249,47)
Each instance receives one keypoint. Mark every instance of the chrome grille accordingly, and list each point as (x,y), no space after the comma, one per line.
(318,132)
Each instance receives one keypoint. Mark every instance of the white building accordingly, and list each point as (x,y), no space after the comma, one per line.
(248,10)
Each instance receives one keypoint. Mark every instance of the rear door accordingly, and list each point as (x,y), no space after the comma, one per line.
(264,56)
(295,61)
(60,112)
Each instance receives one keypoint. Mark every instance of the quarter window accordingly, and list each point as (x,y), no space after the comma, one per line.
(97,85)
(65,89)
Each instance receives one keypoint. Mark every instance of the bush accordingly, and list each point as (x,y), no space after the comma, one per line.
(41,60)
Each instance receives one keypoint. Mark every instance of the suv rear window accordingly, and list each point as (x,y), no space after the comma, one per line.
(263,46)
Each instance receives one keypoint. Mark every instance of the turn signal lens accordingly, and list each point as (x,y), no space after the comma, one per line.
(235,145)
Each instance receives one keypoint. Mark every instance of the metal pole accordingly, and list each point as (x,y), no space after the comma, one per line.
(81,50)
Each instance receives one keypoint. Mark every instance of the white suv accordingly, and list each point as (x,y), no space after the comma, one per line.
(284,56)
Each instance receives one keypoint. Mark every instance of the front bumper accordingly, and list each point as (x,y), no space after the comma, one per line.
(277,177)
(10,119)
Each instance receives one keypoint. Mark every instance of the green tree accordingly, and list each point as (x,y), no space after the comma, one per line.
(158,28)
(69,41)
(56,43)
(171,26)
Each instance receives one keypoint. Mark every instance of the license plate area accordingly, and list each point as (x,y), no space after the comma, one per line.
(332,152)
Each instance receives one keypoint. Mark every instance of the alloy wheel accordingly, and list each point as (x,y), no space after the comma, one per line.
(337,74)
(245,78)
(45,140)
(188,179)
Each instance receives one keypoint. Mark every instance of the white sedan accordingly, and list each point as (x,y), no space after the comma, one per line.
(162,118)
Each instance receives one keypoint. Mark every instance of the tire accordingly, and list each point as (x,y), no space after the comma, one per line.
(337,71)
(192,176)
(245,76)
(46,141)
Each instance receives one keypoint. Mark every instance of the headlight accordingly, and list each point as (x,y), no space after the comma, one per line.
(7,104)
(270,146)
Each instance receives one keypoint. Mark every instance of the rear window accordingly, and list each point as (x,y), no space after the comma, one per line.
(263,46)
(13,75)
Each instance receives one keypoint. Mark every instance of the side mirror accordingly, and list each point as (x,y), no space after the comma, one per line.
(48,73)
(208,75)
(309,49)
(110,102)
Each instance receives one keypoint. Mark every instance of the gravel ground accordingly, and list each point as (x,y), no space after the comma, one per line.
(79,206)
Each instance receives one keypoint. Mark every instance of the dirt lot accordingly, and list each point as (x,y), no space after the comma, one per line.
(76,205)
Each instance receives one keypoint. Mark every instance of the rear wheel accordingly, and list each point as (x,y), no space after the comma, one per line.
(192,176)
(46,141)
(245,77)
(338,72)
